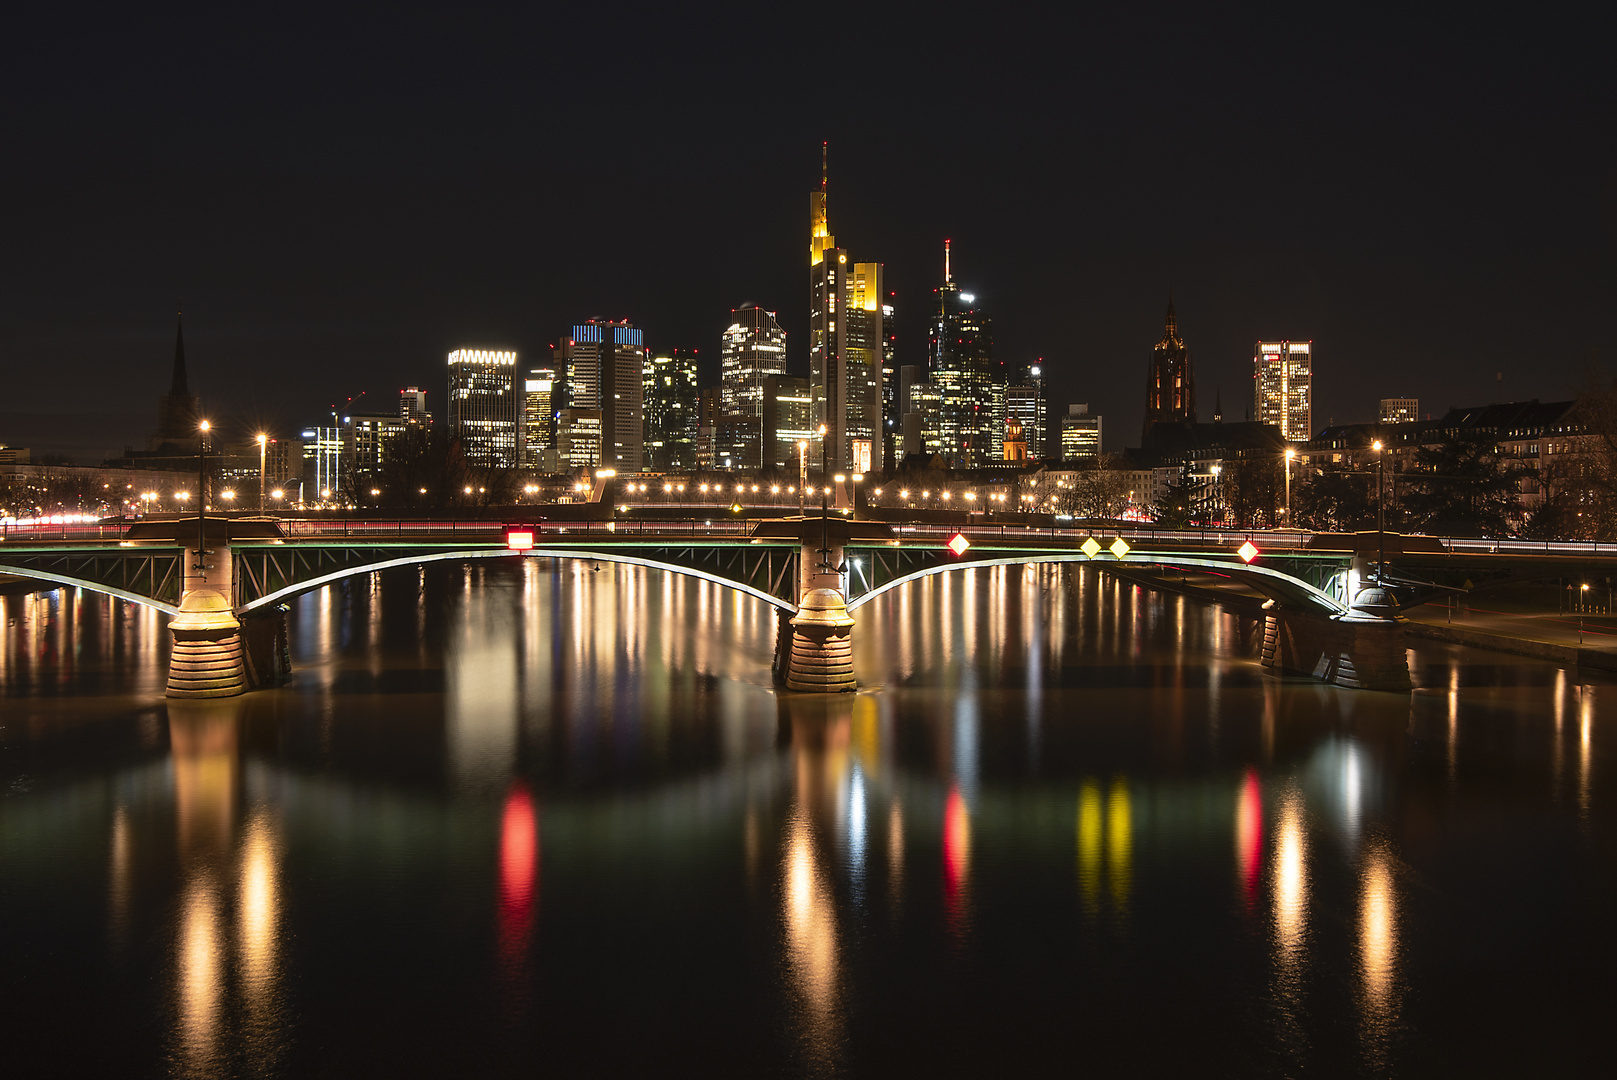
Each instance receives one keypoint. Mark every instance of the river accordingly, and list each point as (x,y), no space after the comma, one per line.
(537,818)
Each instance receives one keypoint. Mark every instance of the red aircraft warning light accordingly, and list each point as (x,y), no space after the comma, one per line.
(958,544)
(519,539)
(1247,552)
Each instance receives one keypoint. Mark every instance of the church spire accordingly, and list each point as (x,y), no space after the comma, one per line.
(179,386)
(1171,326)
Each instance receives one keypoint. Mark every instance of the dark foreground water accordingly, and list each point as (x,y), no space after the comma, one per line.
(529,819)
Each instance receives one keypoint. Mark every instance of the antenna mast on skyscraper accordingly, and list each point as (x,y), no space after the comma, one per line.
(946,277)
(824,173)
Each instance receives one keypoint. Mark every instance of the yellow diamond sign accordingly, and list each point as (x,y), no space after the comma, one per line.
(1120,547)
(1247,552)
(1090,547)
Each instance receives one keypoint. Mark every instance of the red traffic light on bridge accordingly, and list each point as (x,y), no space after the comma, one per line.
(519,539)
(958,544)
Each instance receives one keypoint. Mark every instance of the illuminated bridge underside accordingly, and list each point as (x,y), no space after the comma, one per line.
(1283,587)
(148,577)
(269,576)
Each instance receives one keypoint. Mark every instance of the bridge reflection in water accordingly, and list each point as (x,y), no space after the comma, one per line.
(507,800)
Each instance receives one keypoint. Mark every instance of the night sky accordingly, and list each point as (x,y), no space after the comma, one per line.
(341,199)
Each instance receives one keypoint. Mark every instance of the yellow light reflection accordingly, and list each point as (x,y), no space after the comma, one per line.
(1290,884)
(119,891)
(1119,844)
(1089,845)
(895,857)
(811,936)
(1378,946)
(259,912)
(200,976)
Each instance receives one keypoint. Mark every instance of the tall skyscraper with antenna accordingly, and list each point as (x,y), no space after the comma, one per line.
(845,343)
(969,383)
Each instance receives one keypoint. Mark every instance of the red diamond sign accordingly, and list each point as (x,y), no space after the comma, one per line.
(958,544)
(1247,552)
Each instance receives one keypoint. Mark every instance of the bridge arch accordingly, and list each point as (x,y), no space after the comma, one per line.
(92,586)
(1275,583)
(280,596)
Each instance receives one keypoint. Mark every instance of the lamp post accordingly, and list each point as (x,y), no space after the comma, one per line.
(802,474)
(1291,452)
(825,490)
(202,493)
(263,451)
(1381,509)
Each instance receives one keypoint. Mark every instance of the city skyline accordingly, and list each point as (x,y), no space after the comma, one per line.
(329,242)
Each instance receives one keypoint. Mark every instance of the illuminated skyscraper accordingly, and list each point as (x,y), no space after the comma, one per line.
(1170,384)
(1026,404)
(753,350)
(892,408)
(788,419)
(1080,434)
(483,406)
(969,383)
(538,415)
(1283,392)
(845,345)
(672,411)
(604,366)
(413,406)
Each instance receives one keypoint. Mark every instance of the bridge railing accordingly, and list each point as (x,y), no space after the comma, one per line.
(723,524)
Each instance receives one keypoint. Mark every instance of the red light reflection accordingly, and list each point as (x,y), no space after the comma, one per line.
(956,857)
(519,872)
(1249,835)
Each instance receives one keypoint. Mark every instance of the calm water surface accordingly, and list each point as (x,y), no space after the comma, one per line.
(536,819)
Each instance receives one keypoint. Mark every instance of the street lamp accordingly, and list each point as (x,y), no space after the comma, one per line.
(202,491)
(263,450)
(802,473)
(1291,452)
(1381,510)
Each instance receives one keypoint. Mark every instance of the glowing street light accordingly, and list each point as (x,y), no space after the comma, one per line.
(1381,510)
(263,449)
(1291,452)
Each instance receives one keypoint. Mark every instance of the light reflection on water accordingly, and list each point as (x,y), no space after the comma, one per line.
(1378,951)
(457,735)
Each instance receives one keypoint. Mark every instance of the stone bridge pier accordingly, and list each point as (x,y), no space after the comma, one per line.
(814,651)
(1363,648)
(214,655)
(207,660)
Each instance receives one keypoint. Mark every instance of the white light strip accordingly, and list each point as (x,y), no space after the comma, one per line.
(501,553)
(91,586)
(1148,558)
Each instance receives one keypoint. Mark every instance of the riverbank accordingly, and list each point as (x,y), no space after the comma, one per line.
(1503,626)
